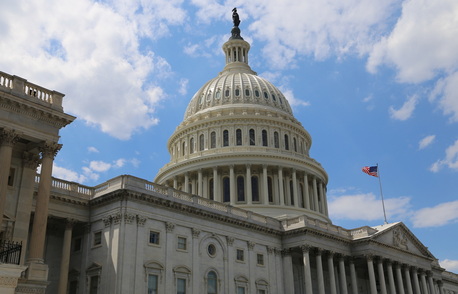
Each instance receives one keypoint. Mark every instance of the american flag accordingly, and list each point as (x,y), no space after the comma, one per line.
(370,170)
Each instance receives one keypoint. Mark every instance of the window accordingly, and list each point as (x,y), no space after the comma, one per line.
(238,136)
(212,286)
(260,291)
(226,190)
(270,189)
(213,140)
(295,144)
(273,97)
(254,188)
(152,284)
(183,149)
(266,95)
(264,138)
(240,255)
(256,93)
(73,287)
(11,177)
(237,92)
(276,140)
(191,145)
(286,142)
(201,142)
(225,138)
(154,237)
(252,137)
(227,92)
(218,94)
(211,193)
(291,189)
(247,92)
(97,239)
(240,188)
(77,242)
(181,243)
(94,285)
(181,286)
(240,290)
(260,259)
(211,249)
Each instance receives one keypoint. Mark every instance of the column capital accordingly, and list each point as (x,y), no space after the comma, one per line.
(230,241)
(331,253)
(8,137)
(306,248)
(169,227)
(195,233)
(30,160)
(319,251)
(251,245)
(70,222)
(369,257)
(49,149)
(286,252)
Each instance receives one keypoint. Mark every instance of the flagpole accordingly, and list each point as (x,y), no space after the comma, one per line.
(381,193)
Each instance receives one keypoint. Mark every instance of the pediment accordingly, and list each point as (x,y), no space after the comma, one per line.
(399,236)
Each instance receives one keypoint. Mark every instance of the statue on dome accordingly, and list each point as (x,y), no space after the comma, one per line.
(235,17)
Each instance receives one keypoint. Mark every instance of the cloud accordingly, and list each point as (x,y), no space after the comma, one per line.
(446,93)
(183,90)
(67,175)
(367,205)
(449,265)
(91,53)
(439,215)
(92,149)
(406,110)
(450,160)
(426,141)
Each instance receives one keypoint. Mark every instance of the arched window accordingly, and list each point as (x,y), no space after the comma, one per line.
(191,145)
(225,138)
(276,140)
(252,137)
(291,189)
(301,196)
(264,138)
(270,189)
(212,283)
(254,189)
(226,190)
(201,142)
(295,144)
(286,142)
(183,149)
(240,188)
(211,195)
(238,137)
(213,140)
(237,92)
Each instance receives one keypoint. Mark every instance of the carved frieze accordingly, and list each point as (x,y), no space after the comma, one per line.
(400,239)
(141,220)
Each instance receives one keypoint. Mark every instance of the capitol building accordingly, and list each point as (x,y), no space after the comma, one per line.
(241,208)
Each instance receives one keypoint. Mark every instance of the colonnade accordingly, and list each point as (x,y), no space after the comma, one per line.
(360,274)
(274,185)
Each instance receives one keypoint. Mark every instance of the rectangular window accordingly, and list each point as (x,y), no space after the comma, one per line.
(181,286)
(154,237)
(181,243)
(240,255)
(94,285)
(240,290)
(72,287)
(97,238)
(260,259)
(77,242)
(261,291)
(152,284)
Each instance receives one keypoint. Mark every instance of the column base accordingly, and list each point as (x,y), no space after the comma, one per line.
(37,270)
(9,275)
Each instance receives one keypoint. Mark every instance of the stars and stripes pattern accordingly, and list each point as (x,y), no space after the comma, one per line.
(371,170)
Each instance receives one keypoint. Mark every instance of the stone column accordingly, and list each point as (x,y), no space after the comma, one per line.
(281,190)
(381,276)
(265,188)
(306,192)
(423,282)
(343,278)
(186,183)
(325,200)
(249,195)
(307,269)
(441,287)
(175,183)
(370,269)
(295,196)
(432,289)
(399,279)
(232,184)
(200,183)
(315,195)
(319,271)
(416,284)
(65,261)
(389,270)
(408,280)
(216,195)
(288,275)
(323,206)
(332,276)
(7,140)
(354,281)
(40,219)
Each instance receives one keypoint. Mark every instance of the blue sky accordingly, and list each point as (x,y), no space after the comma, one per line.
(372,82)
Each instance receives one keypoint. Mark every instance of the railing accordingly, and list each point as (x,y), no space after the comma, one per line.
(10,252)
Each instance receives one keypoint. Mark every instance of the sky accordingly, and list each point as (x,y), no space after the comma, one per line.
(373,82)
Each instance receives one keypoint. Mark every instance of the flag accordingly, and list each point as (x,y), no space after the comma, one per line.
(371,170)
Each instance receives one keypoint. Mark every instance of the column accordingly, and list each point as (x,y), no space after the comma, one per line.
(323,206)
(296,197)
(381,276)
(315,195)
(432,289)
(232,184)
(408,280)
(175,183)
(249,195)
(307,269)
(319,271)
(186,183)
(280,186)
(306,192)
(441,287)
(325,201)
(332,277)
(389,271)
(343,278)
(423,282)
(288,275)
(416,284)
(399,279)
(65,261)
(216,195)
(370,269)
(8,138)
(354,281)
(200,183)
(265,188)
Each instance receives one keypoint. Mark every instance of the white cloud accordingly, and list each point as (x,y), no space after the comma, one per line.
(439,215)
(67,175)
(91,53)
(99,166)
(446,92)
(183,90)
(450,265)
(426,141)
(450,160)
(406,110)
(367,207)
(92,149)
